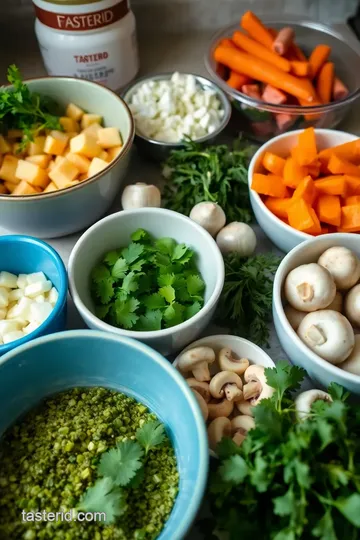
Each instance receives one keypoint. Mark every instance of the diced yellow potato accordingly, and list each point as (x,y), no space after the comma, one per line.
(59,159)
(104,155)
(32,174)
(81,162)
(3,189)
(85,144)
(74,112)
(71,184)
(10,186)
(24,189)
(69,124)
(42,160)
(8,169)
(114,152)
(14,134)
(36,146)
(108,137)
(4,145)
(88,119)
(50,187)
(83,177)
(56,142)
(18,151)
(72,134)
(63,173)
(92,129)
(96,166)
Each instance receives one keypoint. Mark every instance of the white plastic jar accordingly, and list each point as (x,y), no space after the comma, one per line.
(89,39)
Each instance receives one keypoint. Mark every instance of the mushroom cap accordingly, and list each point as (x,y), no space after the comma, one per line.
(352,305)
(343,264)
(202,404)
(228,363)
(222,407)
(242,423)
(202,387)
(245,407)
(209,215)
(220,427)
(294,316)
(337,303)
(352,363)
(194,357)
(257,373)
(304,401)
(329,334)
(309,287)
(222,378)
(237,237)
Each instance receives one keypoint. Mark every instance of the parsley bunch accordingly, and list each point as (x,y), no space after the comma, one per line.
(149,285)
(291,479)
(119,468)
(22,109)
(216,173)
(246,300)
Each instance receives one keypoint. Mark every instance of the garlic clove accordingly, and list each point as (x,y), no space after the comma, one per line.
(237,237)
(141,195)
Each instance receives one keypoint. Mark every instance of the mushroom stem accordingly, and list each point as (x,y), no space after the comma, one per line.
(239,438)
(251,390)
(232,392)
(315,335)
(305,292)
(201,372)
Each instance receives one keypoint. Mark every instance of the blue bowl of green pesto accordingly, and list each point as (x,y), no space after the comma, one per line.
(100,438)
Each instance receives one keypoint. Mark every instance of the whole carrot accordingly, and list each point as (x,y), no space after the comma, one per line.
(300,69)
(237,80)
(283,40)
(325,82)
(256,29)
(339,89)
(227,42)
(318,58)
(260,70)
(251,46)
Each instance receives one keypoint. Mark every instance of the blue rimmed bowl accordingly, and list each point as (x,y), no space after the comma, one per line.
(25,255)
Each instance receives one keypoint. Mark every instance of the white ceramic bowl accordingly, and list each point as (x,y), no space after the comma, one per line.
(281,234)
(59,213)
(319,370)
(113,232)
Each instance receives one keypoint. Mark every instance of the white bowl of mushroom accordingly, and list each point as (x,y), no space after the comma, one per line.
(226,374)
(316,308)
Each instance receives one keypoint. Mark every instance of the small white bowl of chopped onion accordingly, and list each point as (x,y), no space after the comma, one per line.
(171,107)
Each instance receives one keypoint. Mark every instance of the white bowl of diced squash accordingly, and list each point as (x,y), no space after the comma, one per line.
(65,179)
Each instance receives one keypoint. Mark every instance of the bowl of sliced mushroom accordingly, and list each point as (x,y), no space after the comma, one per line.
(226,374)
(316,308)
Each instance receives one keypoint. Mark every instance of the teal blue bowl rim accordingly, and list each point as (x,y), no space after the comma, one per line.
(62,290)
(198,493)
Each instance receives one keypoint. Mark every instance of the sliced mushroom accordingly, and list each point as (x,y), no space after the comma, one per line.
(222,407)
(343,264)
(294,316)
(201,387)
(197,361)
(337,303)
(304,401)
(228,384)
(219,428)
(352,305)
(227,362)
(352,363)
(240,425)
(255,375)
(309,287)
(329,334)
(245,407)
(202,404)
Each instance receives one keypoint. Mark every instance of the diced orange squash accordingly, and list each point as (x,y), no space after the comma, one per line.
(50,187)
(88,119)
(337,165)
(10,186)
(74,112)
(305,152)
(108,137)
(300,216)
(277,206)
(42,160)
(332,185)
(114,152)
(4,145)
(269,184)
(85,144)
(353,185)
(36,146)
(32,174)
(69,124)
(315,229)
(81,162)
(314,169)
(349,151)
(23,188)
(8,169)
(354,199)
(96,166)
(350,218)
(328,209)
(306,190)
(293,173)
(273,163)
(63,173)
(93,130)
(14,133)
(3,189)
(56,142)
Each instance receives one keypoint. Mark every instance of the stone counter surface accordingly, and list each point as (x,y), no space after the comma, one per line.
(160,53)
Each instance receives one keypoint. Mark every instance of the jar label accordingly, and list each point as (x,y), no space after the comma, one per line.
(72,22)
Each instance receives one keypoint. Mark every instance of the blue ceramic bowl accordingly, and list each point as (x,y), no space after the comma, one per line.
(91,358)
(24,255)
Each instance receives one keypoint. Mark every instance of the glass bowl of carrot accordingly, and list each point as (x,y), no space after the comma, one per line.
(283,74)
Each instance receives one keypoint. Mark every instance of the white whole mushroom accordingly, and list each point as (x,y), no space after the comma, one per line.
(328,334)
(309,287)
(209,215)
(237,238)
(305,400)
(343,264)
(352,363)
(140,195)
(352,305)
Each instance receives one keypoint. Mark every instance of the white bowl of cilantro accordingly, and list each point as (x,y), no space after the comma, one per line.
(150,274)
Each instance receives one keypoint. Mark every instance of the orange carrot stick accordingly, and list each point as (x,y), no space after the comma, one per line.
(260,70)
(337,165)
(269,184)
(298,53)
(353,185)
(253,47)
(256,29)
(283,41)
(349,151)
(273,163)
(306,190)
(325,82)
(339,90)
(318,58)
(273,95)
(332,185)
(278,206)
(299,215)
(227,42)
(328,209)
(237,80)
(300,69)
(293,173)
(305,152)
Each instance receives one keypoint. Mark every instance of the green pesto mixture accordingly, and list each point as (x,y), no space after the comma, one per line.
(50,458)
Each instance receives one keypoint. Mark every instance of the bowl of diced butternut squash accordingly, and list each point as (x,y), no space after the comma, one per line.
(61,168)
(306,183)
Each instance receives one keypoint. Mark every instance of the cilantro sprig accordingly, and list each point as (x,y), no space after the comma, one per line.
(147,285)
(291,479)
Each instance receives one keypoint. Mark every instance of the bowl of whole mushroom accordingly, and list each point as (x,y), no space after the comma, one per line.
(226,374)
(316,308)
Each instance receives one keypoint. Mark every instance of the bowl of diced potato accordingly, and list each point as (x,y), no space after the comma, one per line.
(64,176)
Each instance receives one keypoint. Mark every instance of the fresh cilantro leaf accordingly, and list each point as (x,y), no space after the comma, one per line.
(132,252)
(111,257)
(284,505)
(100,273)
(337,475)
(227,448)
(167,292)
(350,508)
(174,314)
(104,290)
(130,283)
(103,496)
(150,435)
(165,245)
(335,411)
(125,312)
(192,310)
(299,472)
(165,279)
(325,432)
(284,377)
(119,269)
(286,534)
(195,285)
(179,252)
(162,260)
(137,480)
(338,392)
(154,301)
(151,321)
(137,265)
(102,311)
(142,235)
(121,463)
(259,475)
(324,529)
(234,470)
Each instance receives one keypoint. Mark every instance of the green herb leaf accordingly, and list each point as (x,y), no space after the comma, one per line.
(165,279)
(104,290)
(111,257)
(195,284)
(103,496)
(142,235)
(132,252)
(150,435)
(100,273)
(102,311)
(124,312)
(192,310)
(350,508)
(324,529)
(234,470)
(166,245)
(121,463)
(151,321)
(167,292)
(154,301)
(284,505)
(119,269)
